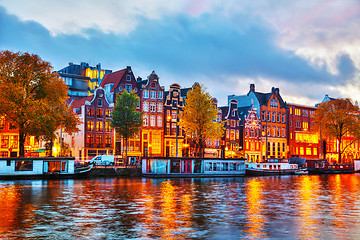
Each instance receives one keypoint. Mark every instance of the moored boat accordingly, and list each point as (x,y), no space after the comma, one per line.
(41,168)
(192,167)
(271,167)
(322,166)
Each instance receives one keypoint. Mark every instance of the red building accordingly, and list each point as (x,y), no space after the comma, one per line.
(232,138)
(302,140)
(152,104)
(117,82)
(96,132)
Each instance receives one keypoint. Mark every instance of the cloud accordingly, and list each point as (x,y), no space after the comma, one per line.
(184,43)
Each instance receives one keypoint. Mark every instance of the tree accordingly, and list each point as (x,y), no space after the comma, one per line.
(338,118)
(32,96)
(125,118)
(198,117)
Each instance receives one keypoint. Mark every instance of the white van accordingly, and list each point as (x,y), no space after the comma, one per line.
(103,160)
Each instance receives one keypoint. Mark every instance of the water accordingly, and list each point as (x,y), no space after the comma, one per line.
(277,207)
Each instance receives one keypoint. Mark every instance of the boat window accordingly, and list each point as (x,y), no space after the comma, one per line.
(25,165)
(270,166)
(208,166)
(232,166)
(225,166)
(264,166)
(258,166)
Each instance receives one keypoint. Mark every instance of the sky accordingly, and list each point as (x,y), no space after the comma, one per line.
(305,48)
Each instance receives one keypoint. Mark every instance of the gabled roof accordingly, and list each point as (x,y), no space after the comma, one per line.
(114,78)
(77,103)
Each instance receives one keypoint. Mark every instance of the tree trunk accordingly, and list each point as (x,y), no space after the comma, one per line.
(126,142)
(51,147)
(339,150)
(22,138)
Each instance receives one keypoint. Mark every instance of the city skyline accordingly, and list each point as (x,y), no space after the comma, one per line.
(306,50)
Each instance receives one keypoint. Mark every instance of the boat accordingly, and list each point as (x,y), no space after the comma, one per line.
(322,166)
(272,167)
(42,168)
(157,167)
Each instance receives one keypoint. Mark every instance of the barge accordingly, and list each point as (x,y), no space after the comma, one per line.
(158,167)
(41,168)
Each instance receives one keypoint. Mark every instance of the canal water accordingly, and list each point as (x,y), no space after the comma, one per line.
(276,207)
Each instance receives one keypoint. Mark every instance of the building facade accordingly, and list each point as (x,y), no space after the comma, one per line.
(303,140)
(152,105)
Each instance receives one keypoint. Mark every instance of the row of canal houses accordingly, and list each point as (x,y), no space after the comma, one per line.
(258,125)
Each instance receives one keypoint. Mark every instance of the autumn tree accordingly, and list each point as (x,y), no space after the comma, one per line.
(198,117)
(126,120)
(339,118)
(32,96)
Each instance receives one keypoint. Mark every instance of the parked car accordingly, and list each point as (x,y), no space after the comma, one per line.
(103,160)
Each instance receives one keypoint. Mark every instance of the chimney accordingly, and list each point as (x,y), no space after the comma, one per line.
(252,87)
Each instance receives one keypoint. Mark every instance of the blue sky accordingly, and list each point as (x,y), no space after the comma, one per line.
(305,48)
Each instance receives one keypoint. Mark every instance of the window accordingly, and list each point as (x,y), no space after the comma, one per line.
(237,134)
(283,146)
(227,133)
(128,88)
(297,112)
(305,113)
(308,151)
(2,123)
(174,115)
(274,117)
(301,151)
(128,78)
(99,126)
(233,113)
(160,107)
(153,94)
(232,135)
(252,133)
(159,121)
(273,103)
(263,113)
(107,141)
(99,113)
(315,151)
(232,123)
(90,140)
(160,95)
(12,126)
(279,132)
(24,165)
(152,85)
(90,126)
(4,141)
(305,126)
(283,132)
(90,112)
(269,116)
(107,127)
(146,120)
(152,107)
(99,140)
(108,113)
(146,94)
(146,107)
(99,102)
(152,121)
(279,117)
(283,118)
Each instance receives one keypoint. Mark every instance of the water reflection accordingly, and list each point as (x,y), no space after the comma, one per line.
(286,207)
(256,219)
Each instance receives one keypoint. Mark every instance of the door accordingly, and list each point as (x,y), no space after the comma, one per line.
(186,166)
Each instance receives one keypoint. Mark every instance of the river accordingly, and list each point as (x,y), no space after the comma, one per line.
(275,207)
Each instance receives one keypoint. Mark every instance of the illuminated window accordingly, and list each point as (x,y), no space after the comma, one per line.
(232,135)
(99,140)
(159,121)
(160,107)
(227,133)
(146,120)
(99,113)
(107,141)
(90,126)
(152,121)
(90,112)
(152,107)
(107,127)
(232,123)
(237,134)
(107,113)
(308,151)
(90,140)
(315,151)
(99,126)
(305,125)
(301,151)
(2,123)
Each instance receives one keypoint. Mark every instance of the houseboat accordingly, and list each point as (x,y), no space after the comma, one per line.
(192,167)
(273,167)
(41,167)
(322,166)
